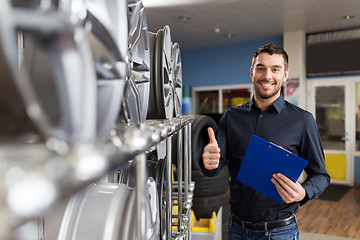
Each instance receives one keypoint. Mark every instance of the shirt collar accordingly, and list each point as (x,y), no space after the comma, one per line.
(278,103)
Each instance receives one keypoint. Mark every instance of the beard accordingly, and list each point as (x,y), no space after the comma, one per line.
(266,94)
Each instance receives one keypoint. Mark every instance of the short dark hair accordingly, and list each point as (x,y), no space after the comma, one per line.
(272,48)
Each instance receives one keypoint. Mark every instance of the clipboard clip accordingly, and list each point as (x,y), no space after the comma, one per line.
(280,147)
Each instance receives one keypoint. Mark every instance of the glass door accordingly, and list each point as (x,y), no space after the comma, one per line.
(356,130)
(329,101)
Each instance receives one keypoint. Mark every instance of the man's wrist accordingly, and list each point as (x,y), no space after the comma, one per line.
(304,200)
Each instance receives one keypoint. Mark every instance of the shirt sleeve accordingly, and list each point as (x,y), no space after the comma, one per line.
(220,135)
(311,149)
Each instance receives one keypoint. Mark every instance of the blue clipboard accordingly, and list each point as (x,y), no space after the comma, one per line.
(262,159)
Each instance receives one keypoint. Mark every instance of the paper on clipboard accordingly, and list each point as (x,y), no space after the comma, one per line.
(262,159)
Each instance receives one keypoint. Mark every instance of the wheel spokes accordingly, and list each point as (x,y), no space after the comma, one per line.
(139,56)
(177,68)
(167,73)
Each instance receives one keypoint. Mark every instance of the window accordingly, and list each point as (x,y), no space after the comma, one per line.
(215,100)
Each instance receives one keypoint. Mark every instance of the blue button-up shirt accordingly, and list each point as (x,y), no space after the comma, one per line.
(281,123)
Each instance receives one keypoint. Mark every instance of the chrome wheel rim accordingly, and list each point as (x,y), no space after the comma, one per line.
(163,74)
(72,117)
(162,191)
(177,82)
(139,57)
(167,78)
(108,40)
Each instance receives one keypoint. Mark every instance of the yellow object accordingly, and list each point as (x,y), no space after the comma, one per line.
(335,164)
(239,101)
(175,211)
(203,224)
(236,101)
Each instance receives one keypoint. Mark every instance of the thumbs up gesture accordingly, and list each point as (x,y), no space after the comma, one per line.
(211,154)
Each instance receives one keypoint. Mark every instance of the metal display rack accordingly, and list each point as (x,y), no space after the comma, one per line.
(74,109)
(44,168)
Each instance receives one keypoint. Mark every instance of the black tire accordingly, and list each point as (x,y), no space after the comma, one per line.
(204,206)
(210,186)
(200,138)
(224,230)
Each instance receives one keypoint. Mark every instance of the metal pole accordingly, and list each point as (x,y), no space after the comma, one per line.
(41,228)
(179,179)
(190,166)
(186,177)
(189,152)
(141,176)
(168,178)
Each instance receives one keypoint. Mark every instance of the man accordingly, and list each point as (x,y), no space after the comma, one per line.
(269,116)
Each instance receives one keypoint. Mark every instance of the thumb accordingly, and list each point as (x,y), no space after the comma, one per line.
(211,136)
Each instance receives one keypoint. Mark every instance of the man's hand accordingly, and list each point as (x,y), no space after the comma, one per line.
(288,190)
(211,154)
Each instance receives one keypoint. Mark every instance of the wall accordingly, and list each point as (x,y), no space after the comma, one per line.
(295,45)
(221,65)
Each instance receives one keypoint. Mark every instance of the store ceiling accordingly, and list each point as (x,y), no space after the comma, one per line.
(246,20)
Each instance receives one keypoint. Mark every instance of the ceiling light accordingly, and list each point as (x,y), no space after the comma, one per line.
(157,3)
(229,35)
(185,17)
(217,30)
(348,17)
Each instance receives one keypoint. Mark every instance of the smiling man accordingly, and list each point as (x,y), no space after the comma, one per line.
(269,116)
